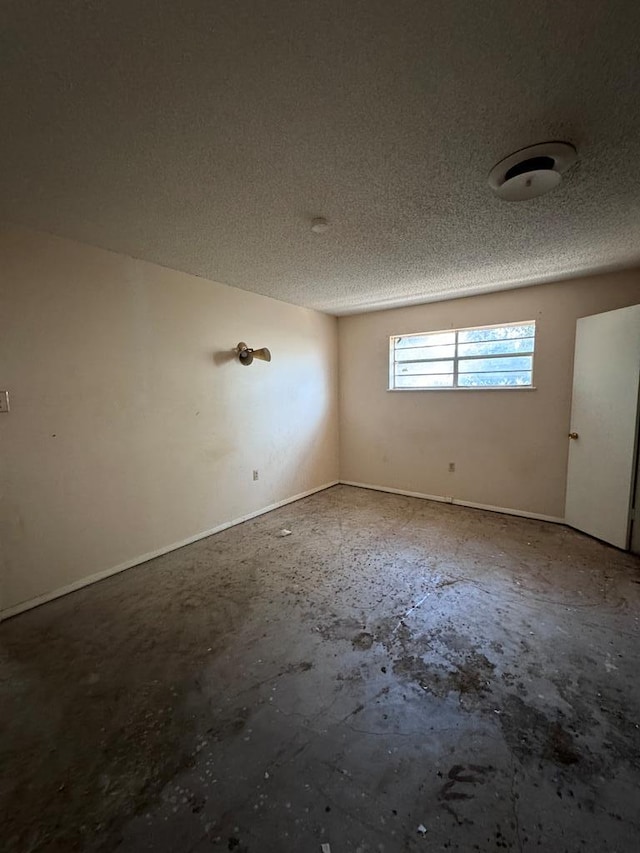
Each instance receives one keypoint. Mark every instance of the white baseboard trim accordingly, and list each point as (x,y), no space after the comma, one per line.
(98,576)
(450,500)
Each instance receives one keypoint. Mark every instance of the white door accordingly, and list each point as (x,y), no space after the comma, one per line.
(604,419)
(635,527)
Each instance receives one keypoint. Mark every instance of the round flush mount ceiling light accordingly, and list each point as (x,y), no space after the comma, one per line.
(532,171)
(319,225)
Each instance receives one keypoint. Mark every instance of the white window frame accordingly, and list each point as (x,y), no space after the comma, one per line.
(456,358)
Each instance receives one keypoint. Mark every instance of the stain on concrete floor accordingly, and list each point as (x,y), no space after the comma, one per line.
(393,663)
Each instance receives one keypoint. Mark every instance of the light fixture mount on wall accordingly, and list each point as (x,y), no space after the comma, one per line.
(532,171)
(246,354)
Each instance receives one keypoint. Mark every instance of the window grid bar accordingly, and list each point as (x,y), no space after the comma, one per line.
(480,372)
(511,354)
(506,337)
(466,357)
(455,362)
(411,375)
(470,373)
(426,361)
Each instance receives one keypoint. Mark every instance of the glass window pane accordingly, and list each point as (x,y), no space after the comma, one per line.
(420,367)
(499,333)
(490,356)
(436,381)
(479,365)
(437,339)
(493,380)
(416,353)
(496,347)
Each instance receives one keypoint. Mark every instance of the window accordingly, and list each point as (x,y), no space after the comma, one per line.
(488,357)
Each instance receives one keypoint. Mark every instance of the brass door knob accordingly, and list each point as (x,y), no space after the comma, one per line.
(573,435)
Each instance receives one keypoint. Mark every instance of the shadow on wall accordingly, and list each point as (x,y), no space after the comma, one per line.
(224,356)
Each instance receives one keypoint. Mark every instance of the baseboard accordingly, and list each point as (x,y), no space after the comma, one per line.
(450,500)
(98,576)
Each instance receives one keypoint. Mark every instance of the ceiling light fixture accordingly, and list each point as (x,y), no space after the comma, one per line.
(532,171)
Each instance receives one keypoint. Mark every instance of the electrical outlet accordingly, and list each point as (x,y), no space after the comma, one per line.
(255,475)
(452,467)
(4,401)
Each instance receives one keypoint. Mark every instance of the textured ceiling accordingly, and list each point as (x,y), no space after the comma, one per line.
(205,136)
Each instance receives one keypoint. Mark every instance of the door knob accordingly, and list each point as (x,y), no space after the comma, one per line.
(573,435)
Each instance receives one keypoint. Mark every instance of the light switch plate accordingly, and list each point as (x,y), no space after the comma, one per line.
(4,401)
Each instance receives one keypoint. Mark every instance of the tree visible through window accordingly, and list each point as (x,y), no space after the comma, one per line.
(487,357)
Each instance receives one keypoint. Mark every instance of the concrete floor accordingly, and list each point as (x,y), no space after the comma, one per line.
(393,663)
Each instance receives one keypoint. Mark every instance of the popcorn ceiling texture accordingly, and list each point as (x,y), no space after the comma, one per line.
(205,136)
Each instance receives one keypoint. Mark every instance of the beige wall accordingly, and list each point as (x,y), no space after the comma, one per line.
(127,433)
(509,447)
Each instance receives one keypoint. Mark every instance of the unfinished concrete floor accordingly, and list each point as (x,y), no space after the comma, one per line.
(392,664)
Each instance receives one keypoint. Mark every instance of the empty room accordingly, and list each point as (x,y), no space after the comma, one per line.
(319,427)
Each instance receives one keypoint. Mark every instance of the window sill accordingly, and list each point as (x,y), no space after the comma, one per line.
(477,388)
